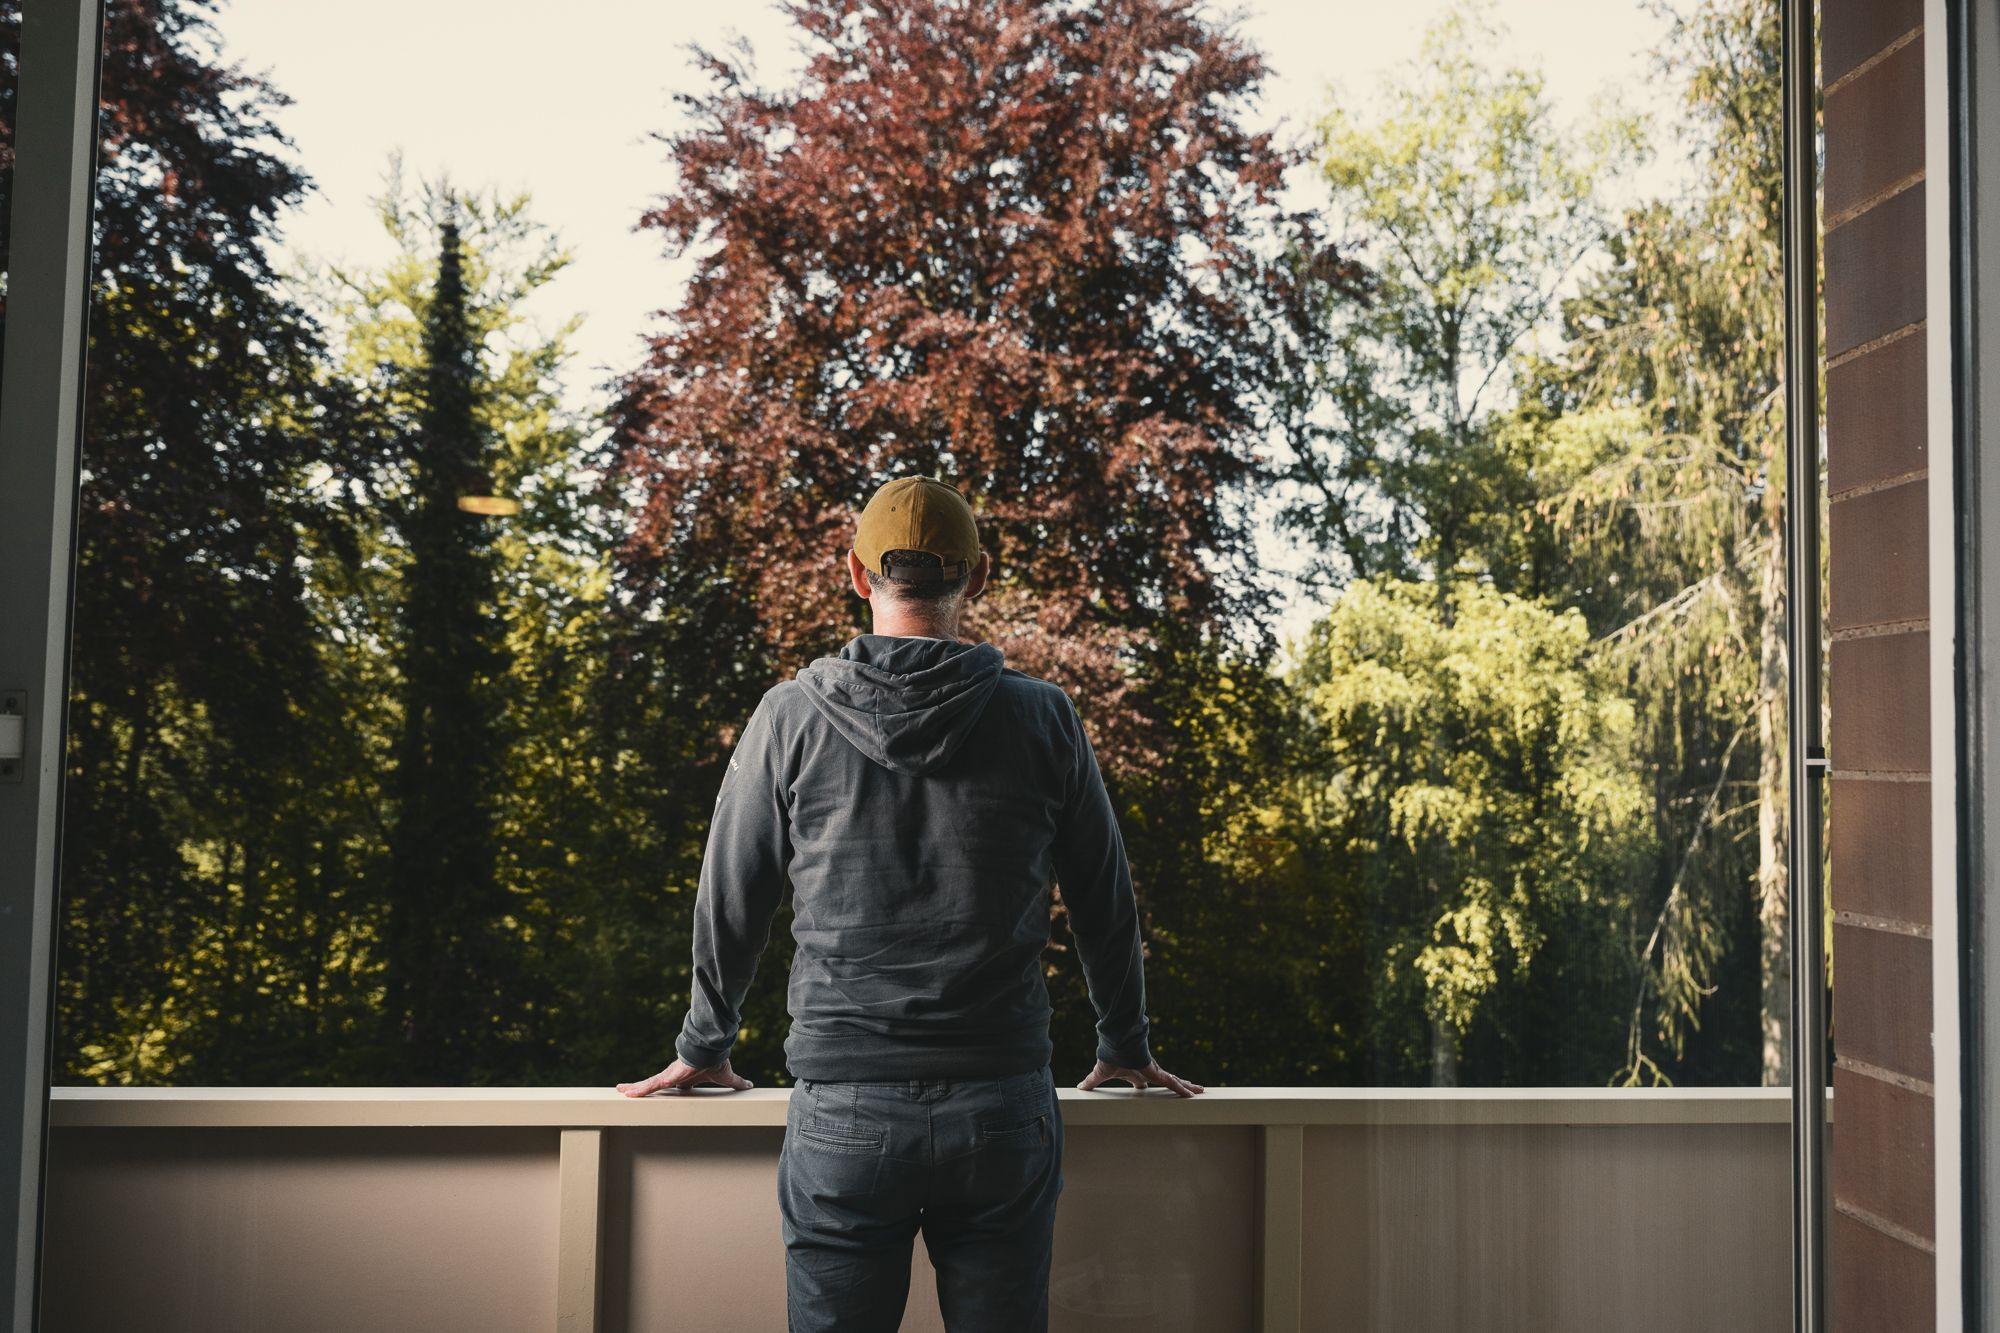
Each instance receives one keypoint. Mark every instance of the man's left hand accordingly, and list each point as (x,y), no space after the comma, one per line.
(680,1076)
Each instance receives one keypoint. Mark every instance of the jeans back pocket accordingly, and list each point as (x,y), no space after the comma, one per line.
(1009,1130)
(830,1150)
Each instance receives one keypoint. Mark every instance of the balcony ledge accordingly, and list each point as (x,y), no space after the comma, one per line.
(605,1108)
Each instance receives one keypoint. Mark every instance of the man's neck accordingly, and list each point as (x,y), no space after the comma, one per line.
(908,627)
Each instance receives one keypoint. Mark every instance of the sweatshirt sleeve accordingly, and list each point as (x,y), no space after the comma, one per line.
(1104,917)
(742,880)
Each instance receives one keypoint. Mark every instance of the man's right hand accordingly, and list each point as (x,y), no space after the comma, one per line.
(1152,1076)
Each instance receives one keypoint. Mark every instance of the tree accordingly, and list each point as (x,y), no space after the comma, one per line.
(1011,242)
(445,965)
(1472,779)
(1667,398)
(1025,243)
(1469,209)
(580,833)
(195,716)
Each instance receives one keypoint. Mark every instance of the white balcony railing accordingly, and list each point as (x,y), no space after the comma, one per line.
(1358,1210)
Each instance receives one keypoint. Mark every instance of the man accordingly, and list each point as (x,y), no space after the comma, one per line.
(919,795)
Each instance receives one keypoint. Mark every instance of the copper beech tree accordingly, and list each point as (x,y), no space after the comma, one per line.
(1028,245)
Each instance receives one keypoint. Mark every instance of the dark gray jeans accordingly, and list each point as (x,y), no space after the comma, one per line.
(975,1164)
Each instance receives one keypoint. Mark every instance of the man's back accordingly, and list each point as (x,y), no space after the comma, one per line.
(919,796)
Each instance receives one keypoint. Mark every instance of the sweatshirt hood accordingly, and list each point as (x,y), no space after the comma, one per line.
(905,702)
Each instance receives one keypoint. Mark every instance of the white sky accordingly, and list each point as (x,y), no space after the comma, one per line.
(558,100)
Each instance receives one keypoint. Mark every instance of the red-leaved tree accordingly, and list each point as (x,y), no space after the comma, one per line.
(1023,244)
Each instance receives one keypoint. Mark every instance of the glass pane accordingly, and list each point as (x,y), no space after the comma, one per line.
(1373,425)
(1540,794)
(1447,727)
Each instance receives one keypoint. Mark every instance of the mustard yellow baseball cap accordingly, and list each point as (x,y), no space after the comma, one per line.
(918,514)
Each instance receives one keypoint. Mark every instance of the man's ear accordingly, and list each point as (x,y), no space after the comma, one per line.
(975,582)
(857,574)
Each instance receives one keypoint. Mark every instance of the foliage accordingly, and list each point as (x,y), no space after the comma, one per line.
(592,830)
(1010,242)
(1664,410)
(199,723)
(1473,778)
(1470,208)
(365,789)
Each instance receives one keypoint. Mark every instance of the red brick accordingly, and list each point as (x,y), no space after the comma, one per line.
(1878,1284)
(1877,415)
(1878,557)
(1884,1159)
(1875,273)
(1853,30)
(1880,849)
(1875,129)
(1880,688)
(1882,1000)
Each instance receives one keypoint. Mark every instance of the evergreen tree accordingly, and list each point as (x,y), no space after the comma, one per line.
(595,829)
(446,970)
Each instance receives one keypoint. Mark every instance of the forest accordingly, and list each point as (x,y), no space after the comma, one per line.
(403,676)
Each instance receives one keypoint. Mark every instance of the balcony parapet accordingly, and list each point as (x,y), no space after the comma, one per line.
(1283,1210)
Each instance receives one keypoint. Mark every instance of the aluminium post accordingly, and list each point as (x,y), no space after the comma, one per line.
(41,390)
(1968,1195)
(1806,742)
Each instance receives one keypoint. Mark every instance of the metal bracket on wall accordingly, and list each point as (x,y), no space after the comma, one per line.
(13,734)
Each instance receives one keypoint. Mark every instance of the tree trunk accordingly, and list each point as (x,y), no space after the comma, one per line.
(1444,1052)
(1773,817)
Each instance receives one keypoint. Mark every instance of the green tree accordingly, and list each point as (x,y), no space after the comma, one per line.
(1472,782)
(1665,409)
(596,806)
(1238,945)
(199,724)
(449,988)
(1469,207)
(572,839)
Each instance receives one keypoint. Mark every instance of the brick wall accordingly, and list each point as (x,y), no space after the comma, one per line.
(1882,1245)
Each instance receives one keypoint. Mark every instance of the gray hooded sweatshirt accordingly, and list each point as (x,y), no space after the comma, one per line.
(918,796)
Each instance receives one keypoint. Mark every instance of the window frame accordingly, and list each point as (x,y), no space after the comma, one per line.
(41,395)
